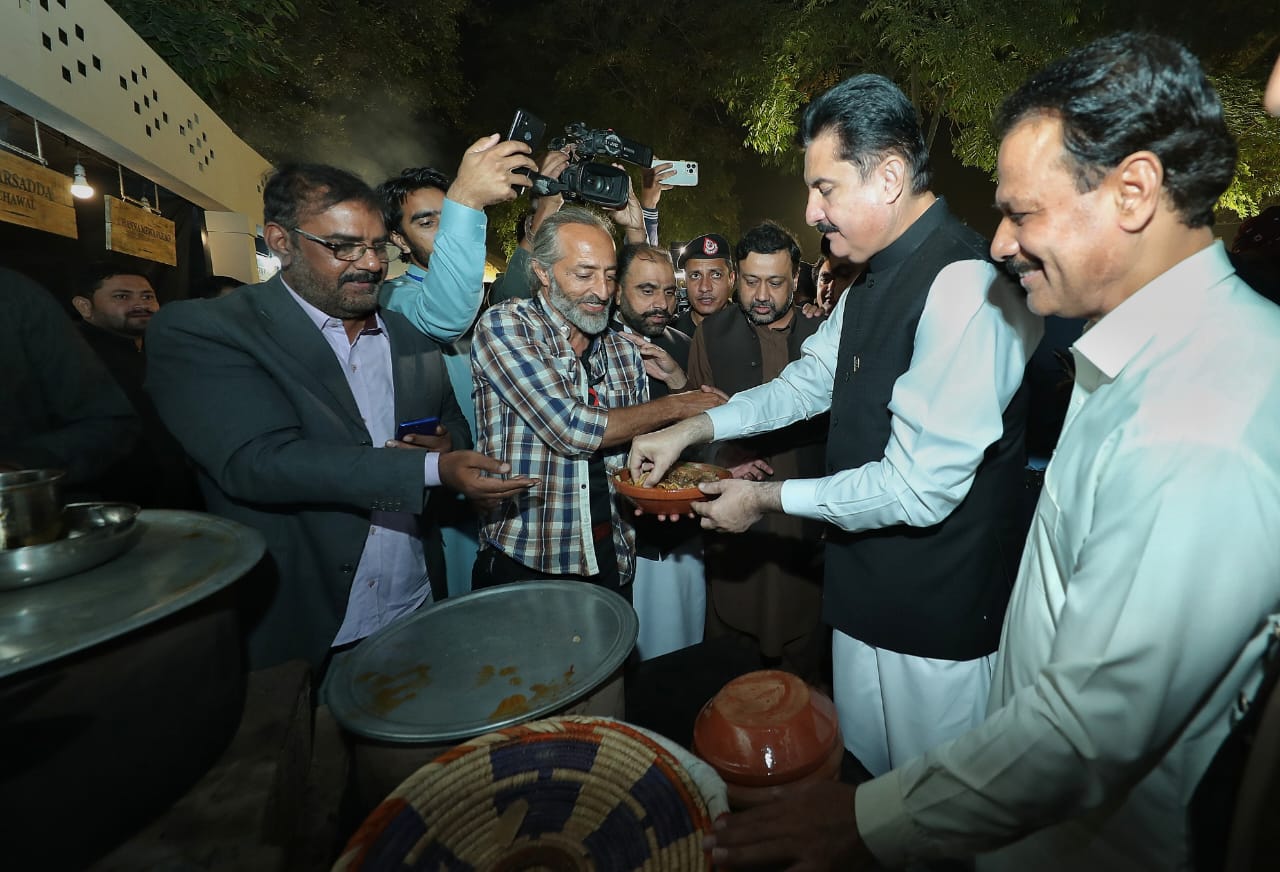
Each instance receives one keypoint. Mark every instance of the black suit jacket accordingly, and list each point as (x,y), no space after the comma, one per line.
(256,396)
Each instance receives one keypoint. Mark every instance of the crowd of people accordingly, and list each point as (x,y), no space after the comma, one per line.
(1042,692)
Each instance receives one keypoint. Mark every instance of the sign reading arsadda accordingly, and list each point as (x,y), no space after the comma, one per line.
(133,230)
(34,196)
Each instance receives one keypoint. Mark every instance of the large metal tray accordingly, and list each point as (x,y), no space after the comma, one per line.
(480,662)
(180,558)
(93,533)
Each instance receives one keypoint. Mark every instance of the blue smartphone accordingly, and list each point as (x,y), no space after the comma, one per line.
(420,426)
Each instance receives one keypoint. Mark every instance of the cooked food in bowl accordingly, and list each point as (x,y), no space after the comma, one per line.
(685,475)
(677,491)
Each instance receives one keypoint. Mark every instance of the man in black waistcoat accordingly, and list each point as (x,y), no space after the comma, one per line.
(765,584)
(920,366)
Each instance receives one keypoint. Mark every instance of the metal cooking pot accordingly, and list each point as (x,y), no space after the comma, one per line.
(30,507)
(474,664)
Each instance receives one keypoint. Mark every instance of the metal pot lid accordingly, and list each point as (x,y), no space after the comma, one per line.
(477,663)
(179,559)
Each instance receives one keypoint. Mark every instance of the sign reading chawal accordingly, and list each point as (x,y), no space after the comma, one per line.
(133,230)
(34,196)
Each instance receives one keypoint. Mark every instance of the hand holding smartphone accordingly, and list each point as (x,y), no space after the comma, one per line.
(419,426)
(686,172)
(529,129)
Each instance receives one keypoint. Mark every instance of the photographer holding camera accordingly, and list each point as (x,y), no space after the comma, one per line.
(568,171)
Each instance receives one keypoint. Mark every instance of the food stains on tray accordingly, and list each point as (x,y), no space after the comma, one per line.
(518,704)
(391,691)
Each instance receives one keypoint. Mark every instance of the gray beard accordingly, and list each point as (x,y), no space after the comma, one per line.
(592,325)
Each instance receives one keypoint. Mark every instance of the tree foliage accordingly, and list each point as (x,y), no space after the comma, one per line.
(210,45)
(957,59)
(646,76)
(721,83)
(311,80)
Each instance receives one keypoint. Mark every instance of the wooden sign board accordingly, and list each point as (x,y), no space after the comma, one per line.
(133,230)
(34,196)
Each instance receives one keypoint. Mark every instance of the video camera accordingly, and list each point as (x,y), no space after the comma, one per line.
(585,180)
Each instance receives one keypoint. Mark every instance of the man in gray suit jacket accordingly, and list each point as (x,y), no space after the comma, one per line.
(287,395)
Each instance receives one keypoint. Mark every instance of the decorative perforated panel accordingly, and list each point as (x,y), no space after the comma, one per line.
(77,66)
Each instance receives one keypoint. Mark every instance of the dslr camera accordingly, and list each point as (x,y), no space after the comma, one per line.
(585,180)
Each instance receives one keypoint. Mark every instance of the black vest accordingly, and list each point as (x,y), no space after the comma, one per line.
(937,591)
(676,344)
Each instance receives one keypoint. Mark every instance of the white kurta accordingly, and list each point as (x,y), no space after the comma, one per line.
(1142,603)
(670,599)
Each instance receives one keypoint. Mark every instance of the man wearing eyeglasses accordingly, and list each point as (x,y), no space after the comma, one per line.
(287,395)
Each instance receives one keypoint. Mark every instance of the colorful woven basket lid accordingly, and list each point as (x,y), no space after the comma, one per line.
(569,793)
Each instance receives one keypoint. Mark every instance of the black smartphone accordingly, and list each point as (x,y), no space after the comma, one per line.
(529,129)
(421,427)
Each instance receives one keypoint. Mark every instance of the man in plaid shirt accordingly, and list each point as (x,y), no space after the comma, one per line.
(559,396)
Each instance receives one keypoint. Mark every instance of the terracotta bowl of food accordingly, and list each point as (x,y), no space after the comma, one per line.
(676,493)
(768,728)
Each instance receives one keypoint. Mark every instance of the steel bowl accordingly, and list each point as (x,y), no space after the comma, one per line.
(30,507)
(93,533)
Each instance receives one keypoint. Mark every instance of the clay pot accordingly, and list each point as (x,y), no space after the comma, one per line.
(766,729)
(742,796)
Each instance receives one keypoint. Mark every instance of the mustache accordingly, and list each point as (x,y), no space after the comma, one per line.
(362,275)
(1018,267)
(824,227)
(656,313)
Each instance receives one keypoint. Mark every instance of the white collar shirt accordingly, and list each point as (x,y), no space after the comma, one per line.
(391,577)
(1145,596)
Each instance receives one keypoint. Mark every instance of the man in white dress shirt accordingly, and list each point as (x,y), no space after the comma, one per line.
(1151,581)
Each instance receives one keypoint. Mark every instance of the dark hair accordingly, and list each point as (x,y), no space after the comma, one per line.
(210,287)
(767,238)
(522,225)
(394,191)
(91,276)
(296,190)
(642,250)
(1134,92)
(872,118)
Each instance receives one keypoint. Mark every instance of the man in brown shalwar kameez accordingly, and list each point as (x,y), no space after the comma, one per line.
(765,583)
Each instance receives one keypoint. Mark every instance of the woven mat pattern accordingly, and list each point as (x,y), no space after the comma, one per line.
(568,793)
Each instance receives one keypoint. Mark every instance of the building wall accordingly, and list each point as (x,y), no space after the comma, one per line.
(75,65)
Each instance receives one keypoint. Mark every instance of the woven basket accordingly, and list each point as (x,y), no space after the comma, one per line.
(568,793)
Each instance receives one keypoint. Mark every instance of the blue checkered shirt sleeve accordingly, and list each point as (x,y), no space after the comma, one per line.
(533,411)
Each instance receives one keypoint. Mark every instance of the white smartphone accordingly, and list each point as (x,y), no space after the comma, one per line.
(686,172)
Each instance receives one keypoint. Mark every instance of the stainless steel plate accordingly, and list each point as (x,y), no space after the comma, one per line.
(93,533)
(484,661)
(180,558)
